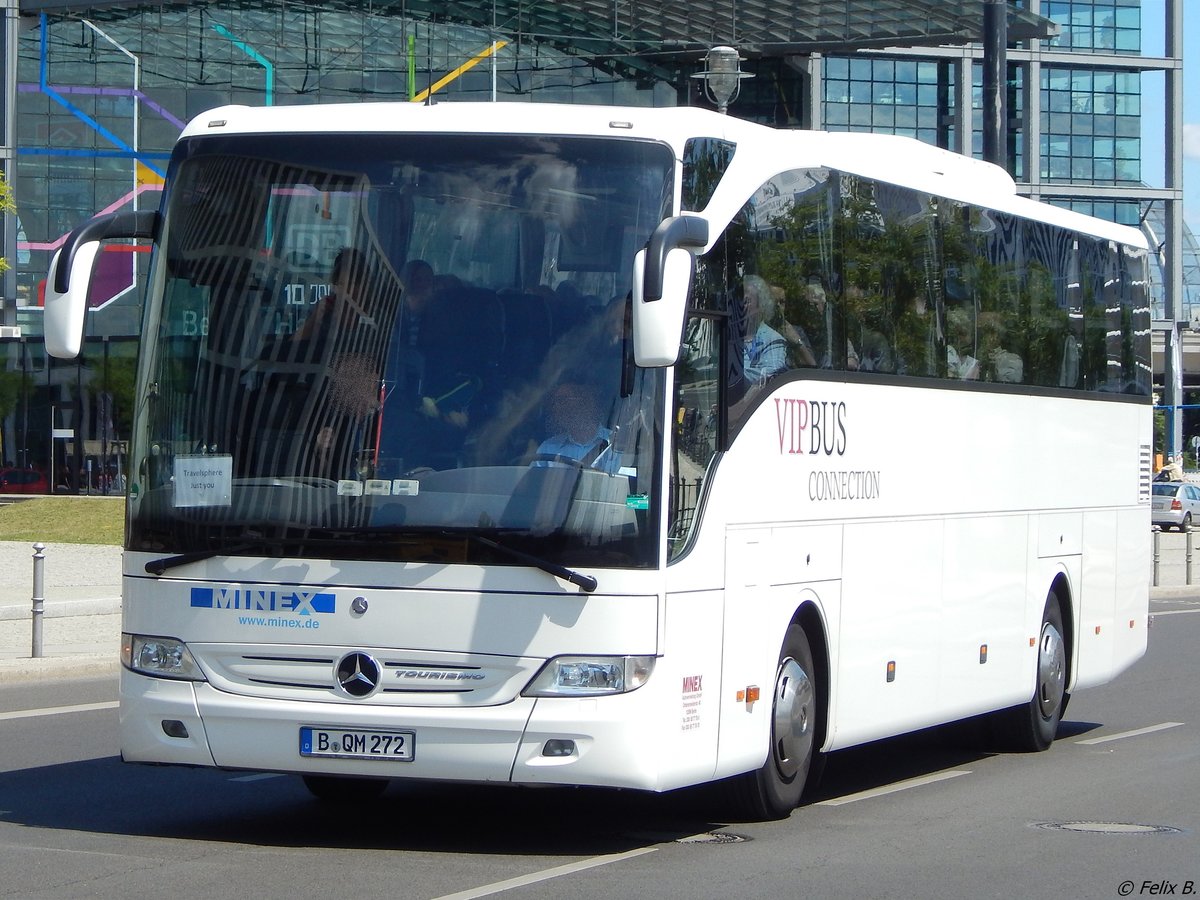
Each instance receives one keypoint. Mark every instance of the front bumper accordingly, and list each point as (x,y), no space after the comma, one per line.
(502,743)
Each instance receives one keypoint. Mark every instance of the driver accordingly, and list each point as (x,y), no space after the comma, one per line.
(577,437)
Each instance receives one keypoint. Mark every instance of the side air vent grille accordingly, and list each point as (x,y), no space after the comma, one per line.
(1145,472)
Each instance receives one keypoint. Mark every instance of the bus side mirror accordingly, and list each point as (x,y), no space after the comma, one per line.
(662,275)
(70,277)
(66,308)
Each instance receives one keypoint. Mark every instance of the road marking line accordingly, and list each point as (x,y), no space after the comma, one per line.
(1127,734)
(893,788)
(546,874)
(261,776)
(1172,612)
(57,710)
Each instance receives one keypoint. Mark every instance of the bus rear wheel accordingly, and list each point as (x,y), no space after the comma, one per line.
(774,790)
(1033,726)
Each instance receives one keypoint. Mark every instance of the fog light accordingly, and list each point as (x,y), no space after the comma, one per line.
(558,747)
(174,728)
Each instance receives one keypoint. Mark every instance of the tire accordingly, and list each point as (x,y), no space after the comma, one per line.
(1186,525)
(1033,726)
(774,790)
(344,791)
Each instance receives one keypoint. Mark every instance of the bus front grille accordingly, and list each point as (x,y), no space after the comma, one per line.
(392,677)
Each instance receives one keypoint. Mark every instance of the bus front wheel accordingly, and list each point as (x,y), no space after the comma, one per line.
(774,790)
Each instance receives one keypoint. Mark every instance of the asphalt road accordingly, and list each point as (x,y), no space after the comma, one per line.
(1111,810)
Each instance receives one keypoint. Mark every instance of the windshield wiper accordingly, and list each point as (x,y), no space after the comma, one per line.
(160,566)
(587,582)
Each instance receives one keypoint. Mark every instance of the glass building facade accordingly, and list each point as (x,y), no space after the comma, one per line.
(103,92)
(1084,130)
(102,95)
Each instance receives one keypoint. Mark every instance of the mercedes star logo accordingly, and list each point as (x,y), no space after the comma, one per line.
(357,674)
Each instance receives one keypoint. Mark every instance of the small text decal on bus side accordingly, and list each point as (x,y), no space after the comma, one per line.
(693,696)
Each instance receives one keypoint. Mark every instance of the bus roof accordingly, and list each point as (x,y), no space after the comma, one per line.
(762,151)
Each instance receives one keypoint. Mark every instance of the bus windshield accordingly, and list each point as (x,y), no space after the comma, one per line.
(388,346)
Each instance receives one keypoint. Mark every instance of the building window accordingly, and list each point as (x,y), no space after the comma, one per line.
(1091,125)
(1101,26)
(908,97)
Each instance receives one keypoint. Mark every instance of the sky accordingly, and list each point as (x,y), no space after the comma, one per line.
(1153,101)
(1191,115)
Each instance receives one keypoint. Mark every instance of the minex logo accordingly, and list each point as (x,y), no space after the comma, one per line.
(297,601)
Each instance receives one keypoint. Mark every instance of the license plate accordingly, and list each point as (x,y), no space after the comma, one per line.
(355,743)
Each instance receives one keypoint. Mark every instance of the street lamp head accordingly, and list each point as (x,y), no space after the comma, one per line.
(722,76)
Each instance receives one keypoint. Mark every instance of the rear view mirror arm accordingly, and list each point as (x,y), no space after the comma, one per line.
(671,233)
(142,223)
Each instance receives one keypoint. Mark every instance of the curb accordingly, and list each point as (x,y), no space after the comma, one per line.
(61,609)
(58,668)
(1175,592)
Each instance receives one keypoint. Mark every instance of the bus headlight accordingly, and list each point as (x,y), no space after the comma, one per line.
(590,676)
(160,657)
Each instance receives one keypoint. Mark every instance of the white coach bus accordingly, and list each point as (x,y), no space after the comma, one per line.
(627,447)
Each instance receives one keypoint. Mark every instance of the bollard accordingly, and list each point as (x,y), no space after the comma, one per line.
(1188,558)
(1157,535)
(39,600)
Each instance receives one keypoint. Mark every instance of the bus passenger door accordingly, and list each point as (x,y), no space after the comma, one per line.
(749,652)
(769,574)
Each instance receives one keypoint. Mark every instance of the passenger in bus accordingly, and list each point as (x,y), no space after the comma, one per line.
(917,335)
(339,334)
(771,300)
(764,350)
(961,342)
(418,279)
(799,348)
(1006,367)
(570,307)
(431,386)
(1001,365)
(445,282)
(818,315)
(340,311)
(865,316)
(1069,364)
(443,386)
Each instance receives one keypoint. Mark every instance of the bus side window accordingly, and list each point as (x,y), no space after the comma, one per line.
(696,421)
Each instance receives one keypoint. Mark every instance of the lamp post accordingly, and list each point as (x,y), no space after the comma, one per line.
(995,77)
(722,76)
